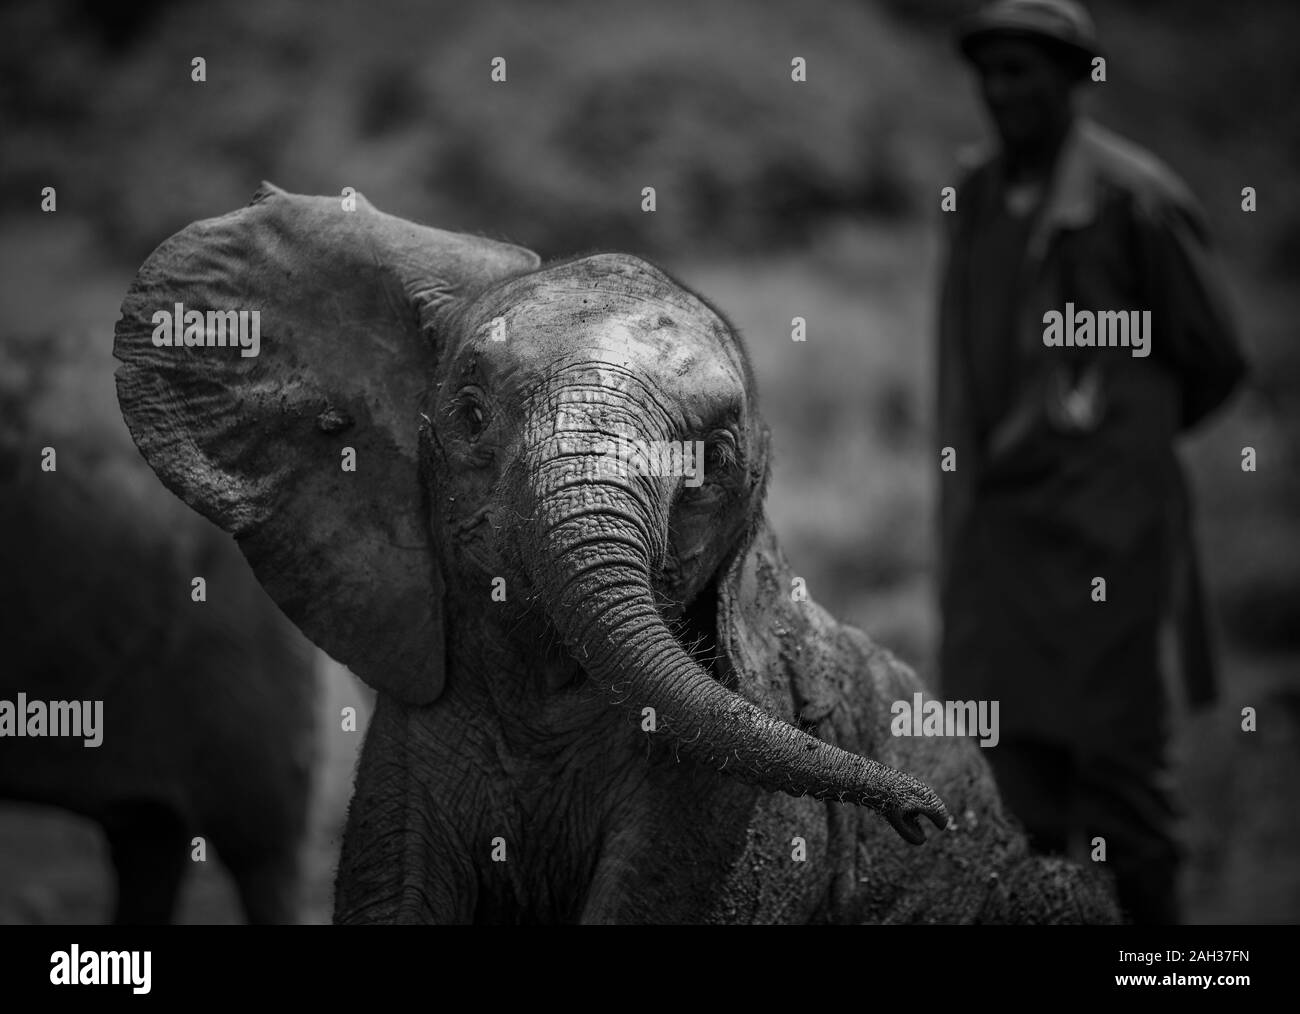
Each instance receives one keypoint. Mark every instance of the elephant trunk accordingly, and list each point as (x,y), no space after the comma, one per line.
(596,535)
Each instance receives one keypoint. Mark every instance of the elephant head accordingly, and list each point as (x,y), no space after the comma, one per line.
(485,399)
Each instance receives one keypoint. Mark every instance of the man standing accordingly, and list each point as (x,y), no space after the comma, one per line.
(1065,531)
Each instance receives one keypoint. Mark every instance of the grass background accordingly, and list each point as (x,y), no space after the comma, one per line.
(774,200)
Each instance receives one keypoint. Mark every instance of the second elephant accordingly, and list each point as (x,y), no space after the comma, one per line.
(208,724)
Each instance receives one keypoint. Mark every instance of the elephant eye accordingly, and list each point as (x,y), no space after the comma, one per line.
(720,458)
(471,413)
(720,452)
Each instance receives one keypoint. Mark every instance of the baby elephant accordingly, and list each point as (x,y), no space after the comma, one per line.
(525,503)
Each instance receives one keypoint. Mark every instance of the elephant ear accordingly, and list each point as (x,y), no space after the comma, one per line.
(783,651)
(351,306)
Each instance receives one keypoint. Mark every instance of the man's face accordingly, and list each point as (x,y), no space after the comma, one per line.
(1026,90)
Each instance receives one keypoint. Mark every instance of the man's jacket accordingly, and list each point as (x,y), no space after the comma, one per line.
(1078,479)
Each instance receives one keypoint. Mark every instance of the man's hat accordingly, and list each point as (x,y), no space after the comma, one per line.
(1061,23)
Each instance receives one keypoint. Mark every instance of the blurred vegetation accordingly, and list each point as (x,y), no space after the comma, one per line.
(694,98)
(775,199)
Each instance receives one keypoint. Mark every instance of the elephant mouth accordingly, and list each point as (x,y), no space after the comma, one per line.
(695,628)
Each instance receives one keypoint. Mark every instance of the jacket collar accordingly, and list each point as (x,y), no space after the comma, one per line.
(1073,191)
(1072,197)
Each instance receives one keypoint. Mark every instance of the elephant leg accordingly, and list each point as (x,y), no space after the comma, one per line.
(261,843)
(406,859)
(148,844)
(268,885)
(401,866)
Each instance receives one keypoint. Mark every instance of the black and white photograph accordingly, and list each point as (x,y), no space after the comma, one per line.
(660,464)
